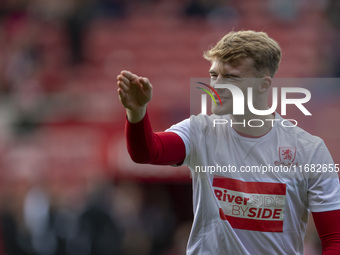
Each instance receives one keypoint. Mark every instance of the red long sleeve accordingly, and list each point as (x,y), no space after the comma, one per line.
(328,227)
(145,146)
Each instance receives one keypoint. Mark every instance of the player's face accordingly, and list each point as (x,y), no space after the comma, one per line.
(241,74)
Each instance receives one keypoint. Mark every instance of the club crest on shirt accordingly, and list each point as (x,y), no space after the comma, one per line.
(286,156)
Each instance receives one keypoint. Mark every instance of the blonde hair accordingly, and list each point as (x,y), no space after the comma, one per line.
(258,46)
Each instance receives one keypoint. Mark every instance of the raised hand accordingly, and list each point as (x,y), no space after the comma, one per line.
(134,92)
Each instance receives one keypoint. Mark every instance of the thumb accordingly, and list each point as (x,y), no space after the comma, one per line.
(145,83)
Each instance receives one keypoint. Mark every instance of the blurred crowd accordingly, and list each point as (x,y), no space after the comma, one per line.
(92,217)
(64,190)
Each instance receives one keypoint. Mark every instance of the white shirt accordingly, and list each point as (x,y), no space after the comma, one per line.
(254,212)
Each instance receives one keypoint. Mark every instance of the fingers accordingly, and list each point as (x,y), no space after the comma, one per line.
(128,80)
(130,76)
(124,83)
(121,94)
(145,83)
(122,86)
(123,79)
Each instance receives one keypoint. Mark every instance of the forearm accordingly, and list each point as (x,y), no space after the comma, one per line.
(145,146)
(328,227)
(137,115)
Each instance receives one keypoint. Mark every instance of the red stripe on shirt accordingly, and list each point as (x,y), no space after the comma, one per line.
(250,187)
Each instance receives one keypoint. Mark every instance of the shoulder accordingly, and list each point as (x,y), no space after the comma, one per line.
(199,123)
(209,121)
(302,138)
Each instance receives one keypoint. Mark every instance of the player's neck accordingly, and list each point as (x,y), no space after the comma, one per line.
(252,125)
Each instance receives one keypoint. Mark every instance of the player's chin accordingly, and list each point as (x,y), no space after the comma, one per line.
(220,110)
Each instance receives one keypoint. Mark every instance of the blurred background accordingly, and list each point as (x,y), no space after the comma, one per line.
(67,184)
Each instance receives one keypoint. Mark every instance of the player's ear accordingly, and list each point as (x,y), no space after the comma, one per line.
(265,85)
